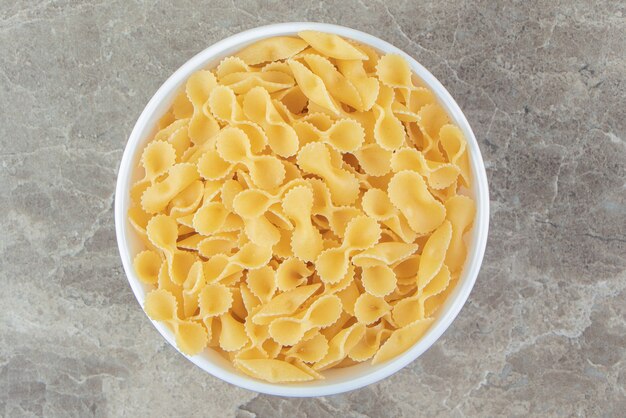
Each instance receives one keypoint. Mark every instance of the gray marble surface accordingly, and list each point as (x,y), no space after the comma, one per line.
(542,84)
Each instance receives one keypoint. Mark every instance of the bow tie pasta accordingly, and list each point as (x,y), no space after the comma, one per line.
(303,206)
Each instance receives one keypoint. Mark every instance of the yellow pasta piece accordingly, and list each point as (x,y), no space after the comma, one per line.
(157,158)
(284,304)
(270,81)
(361,233)
(338,86)
(306,241)
(345,135)
(439,175)
(214,300)
(313,87)
(158,195)
(374,159)
(192,286)
(315,158)
(233,334)
(332,45)
(188,200)
(272,370)
(408,192)
(233,146)
(310,350)
(384,253)
(259,108)
(201,126)
(460,211)
(271,49)
(161,305)
(394,71)
(388,130)
(322,313)
(337,217)
(291,273)
(433,254)
(369,308)
(378,280)
(340,346)
(147,265)
(262,283)
(455,147)
(401,340)
(191,337)
(224,106)
(377,205)
(369,344)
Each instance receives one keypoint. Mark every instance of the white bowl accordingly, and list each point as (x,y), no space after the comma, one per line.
(340,380)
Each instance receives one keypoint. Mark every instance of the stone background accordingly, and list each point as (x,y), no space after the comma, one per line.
(543,85)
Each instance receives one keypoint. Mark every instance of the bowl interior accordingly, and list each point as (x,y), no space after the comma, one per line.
(338,380)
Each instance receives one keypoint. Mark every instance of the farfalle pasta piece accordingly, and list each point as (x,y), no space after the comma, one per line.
(313,87)
(191,337)
(432,118)
(291,273)
(388,129)
(332,46)
(258,107)
(162,231)
(157,158)
(315,158)
(187,201)
(361,233)
(377,204)
(158,195)
(322,313)
(369,308)
(211,246)
(273,370)
(262,283)
(401,339)
(192,286)
(271,49)
(338,86)
(454,145)
(284,304)
(394,71)
(341,345)
(224,106)
(460,211)
(408,192)
(374,159)
(233,334)
(378,280)
(147,265)
(306,241)
(214,300)
(252,205)
(369,344)
(433,254)
(439,175)
(233,146)
(356,71)
(387,253)
(309,350)
(198,88)
(270,81)
(345,135)
(337,217)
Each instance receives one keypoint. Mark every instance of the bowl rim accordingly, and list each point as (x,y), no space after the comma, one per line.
(454,302)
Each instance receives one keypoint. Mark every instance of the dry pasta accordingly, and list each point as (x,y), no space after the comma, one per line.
(303,207)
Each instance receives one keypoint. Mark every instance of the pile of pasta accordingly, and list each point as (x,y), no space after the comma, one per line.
(302,208)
